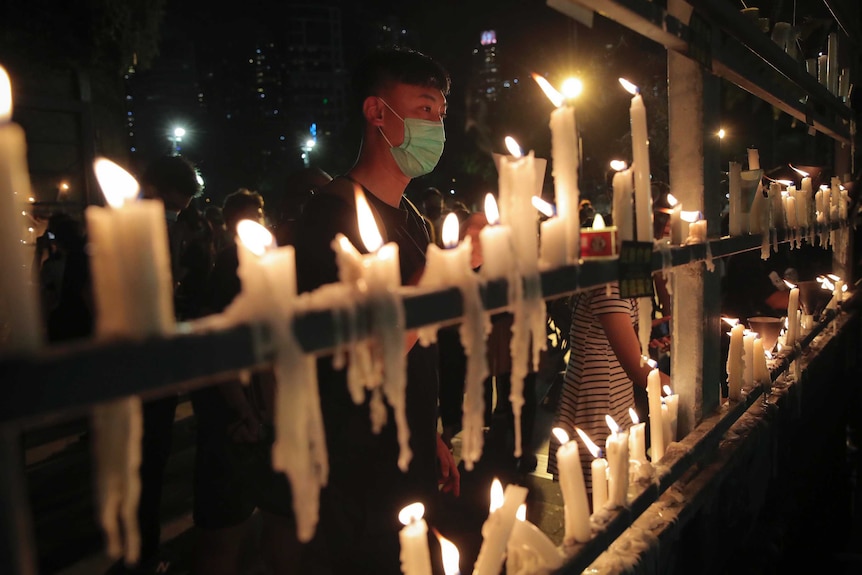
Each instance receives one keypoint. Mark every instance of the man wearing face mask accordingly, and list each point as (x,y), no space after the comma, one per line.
(401,95)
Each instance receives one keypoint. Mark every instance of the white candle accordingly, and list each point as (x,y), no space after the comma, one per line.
(640,163)
(735,215)
(748,356)
(565,159)
(133,298)
(576,507)
(776,206)
(637,438)
(753,159)
(617,447)
(598,472)
(553,250)
(761,369)
(678,227)
(623,204)
(792,317)
(24,319)
(517,186)
(694,227)
(498,527)
(448,267)
(496,242)
(413,537)
(735,363)
(790,209)
(529,549)
(656,427)
(671,401)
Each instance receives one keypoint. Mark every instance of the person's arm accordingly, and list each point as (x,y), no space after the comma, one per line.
(624,341)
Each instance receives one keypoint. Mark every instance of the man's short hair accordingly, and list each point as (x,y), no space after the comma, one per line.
(384,67)
(175,173)
(238,204)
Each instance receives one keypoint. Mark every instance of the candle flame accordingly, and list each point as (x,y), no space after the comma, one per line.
(492,214)
(786,183)
(634,415)
(844,288)
(618,165)
(767,353)
(553,95)
(521,513)
(367,226)
(790,285)
(833,277)
(671,199)
(561,435)
(824,187)
(545,207)
(612,424)
(513,147)
(451,229)
(5,96)
(572,88)
(820,279)
(630,88)
(451,556)
(649,361)
(667,390)
(118,185)
(497,495)
(798,171)
(411,513)
(592,447)
(731,321)
(690,217)
(598,222)
(256,238)
(827,285)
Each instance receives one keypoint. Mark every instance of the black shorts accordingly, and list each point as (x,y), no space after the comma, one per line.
(231,480)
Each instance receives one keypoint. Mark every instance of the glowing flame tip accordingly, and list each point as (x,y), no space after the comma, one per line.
(411,513)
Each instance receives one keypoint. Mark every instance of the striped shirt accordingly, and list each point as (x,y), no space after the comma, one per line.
(595,383)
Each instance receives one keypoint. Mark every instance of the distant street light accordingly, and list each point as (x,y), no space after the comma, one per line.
(306,151)
(176,138)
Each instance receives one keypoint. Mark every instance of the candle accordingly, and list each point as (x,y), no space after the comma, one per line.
(530,550)
(748,338)
(599,241)
(678,227)
(736,211)
(693,227)
(640,163)
(415,555)
(498,527)
(761,369)
(598,472)
(451,266)
(576,507)
(517,186)
(623,203)
(496,242)
(671,401)
(133,298)
(24,320)
(565,159)
(637,438)
(617,447)
(753,159)
(735,363)
(451,556)
(553,252)
(792,316)
(790,208)
(776,207)
(656,427)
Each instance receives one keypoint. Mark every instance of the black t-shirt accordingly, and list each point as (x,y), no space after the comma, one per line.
(364,476)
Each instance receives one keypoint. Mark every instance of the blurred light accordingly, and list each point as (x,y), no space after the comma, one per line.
(572,87)
(721,134)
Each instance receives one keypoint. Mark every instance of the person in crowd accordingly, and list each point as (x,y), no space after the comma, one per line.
(299,188)
(401,96)
(174,181)
(434,210)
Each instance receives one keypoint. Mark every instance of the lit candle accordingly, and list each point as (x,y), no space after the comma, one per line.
(498,527)
(640,163)
(415,555)
(617,447)
(565,156)
(637,438)
(133,298)
(268,278)
(837,294)
(451,555)
(761,369)
(517,186)
(599,472)
(496,241)
(678,227)
(599,241)
(24,320)
(575,505)
(792,316)
(736,211)
(553,252)
(735,362)
(656,427)
(748,338)
(530,550)
(447,267)
(694,226)
(623,204)
(671,401)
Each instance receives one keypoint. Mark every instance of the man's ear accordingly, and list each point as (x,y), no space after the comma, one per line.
(373,110)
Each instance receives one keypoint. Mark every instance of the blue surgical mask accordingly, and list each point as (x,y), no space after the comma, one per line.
(422,147)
